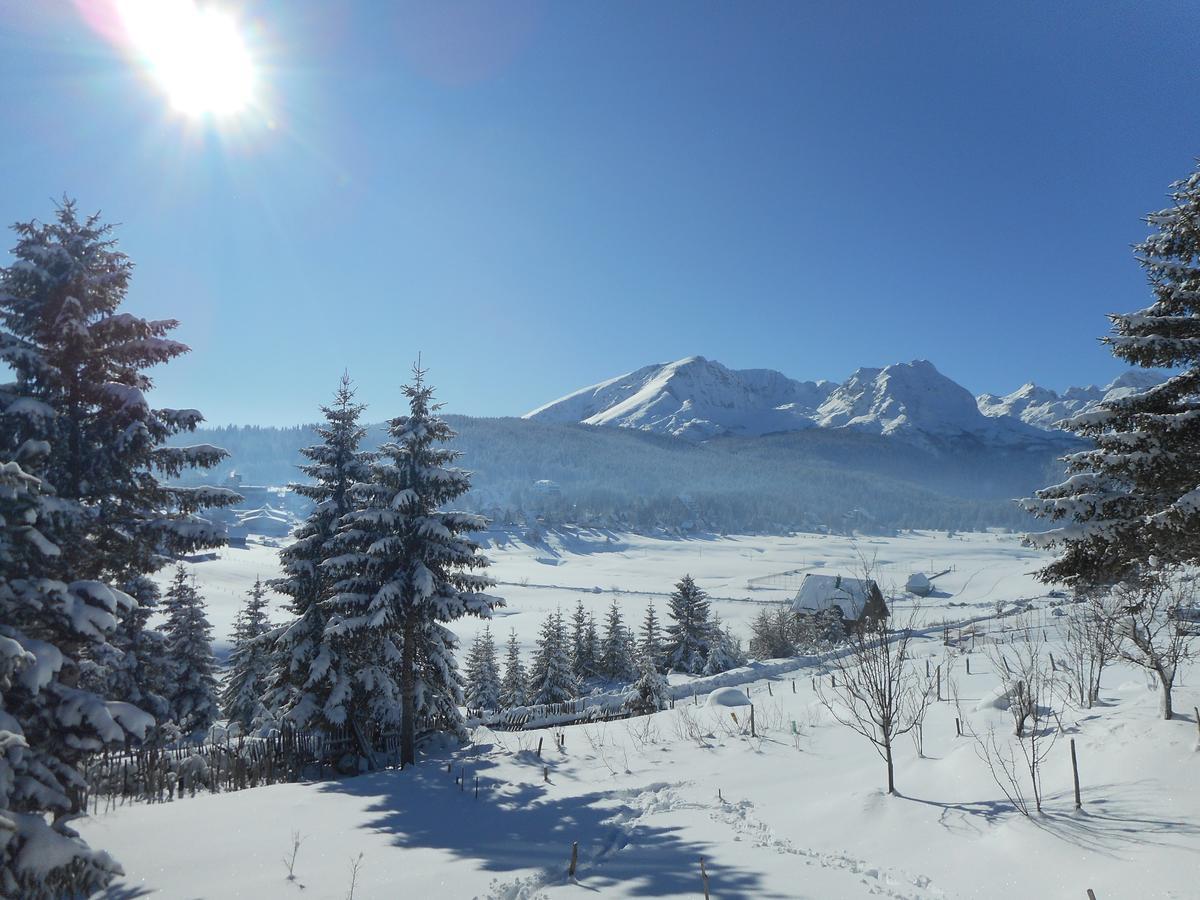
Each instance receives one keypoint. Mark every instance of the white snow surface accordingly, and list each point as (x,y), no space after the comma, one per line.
(796,812)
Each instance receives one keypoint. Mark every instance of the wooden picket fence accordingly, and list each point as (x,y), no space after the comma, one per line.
(160,774)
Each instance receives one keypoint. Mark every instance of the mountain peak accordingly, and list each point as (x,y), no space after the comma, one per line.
(698,398)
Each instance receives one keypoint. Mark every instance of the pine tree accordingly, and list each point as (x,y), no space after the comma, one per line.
(407,566)
(652,692)
(650,644)
(513,690)
(1131,502)
(724,651)
(306,683)
(80,389)
(483,673)
(193,697)
(687,637)
(550,678)
(616,658)
(48,723)
(583,645)
(245,686)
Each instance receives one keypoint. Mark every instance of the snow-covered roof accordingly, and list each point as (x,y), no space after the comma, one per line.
(820,592)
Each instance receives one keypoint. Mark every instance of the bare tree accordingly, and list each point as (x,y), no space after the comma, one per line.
(1089,646)
(875,691)
(1150,631)
(1028,679)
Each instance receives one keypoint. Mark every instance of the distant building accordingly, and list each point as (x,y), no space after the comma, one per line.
(547,488)
(855,599)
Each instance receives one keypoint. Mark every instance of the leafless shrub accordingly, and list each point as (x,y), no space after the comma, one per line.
(1151,628)
(290,860)
(1089,646)
(875,691)
(1015,764)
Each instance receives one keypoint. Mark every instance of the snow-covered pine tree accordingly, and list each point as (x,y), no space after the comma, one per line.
(616,659)
(724,651)
(652,692)
(407,566)
(483,688)
(48,723)
(688,633)
(550,677)
(193,695)
(245,685)
(80,386)
(513,689)
(650,642)
(1136,495)
(583,644)
(306,683)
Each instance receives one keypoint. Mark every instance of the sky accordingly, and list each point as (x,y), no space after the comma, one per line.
(536,196)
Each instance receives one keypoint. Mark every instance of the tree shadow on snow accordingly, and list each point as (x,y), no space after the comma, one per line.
(515,826)
(1103,825)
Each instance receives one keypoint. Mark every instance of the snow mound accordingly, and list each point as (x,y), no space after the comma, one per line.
(728,696)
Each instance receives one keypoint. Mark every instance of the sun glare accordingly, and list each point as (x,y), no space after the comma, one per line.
(196,54)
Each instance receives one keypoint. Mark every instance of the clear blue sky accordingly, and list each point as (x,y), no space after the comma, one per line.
(536,196)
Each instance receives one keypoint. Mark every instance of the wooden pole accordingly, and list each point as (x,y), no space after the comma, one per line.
(769,691)
(1197,712)
(546,774)
(752,734)
(704,877)
(1091,894)
(574,859)
(540,746)
(794,691)
(1075,775)
(968,665)
(939,682)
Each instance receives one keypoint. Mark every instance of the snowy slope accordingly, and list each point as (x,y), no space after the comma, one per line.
(795,812)
(1044,408)
(698,398)
(694,398)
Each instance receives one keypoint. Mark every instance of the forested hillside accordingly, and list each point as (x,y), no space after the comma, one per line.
(627,478)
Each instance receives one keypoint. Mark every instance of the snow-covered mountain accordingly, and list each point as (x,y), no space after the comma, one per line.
(1043,408)
(696,398)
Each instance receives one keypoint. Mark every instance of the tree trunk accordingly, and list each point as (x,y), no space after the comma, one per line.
(887,750)
(408,695)
(1165,706)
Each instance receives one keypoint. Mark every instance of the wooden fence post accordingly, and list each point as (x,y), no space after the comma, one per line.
(704,877)
(939,682)
(539,752)
(752,734)
(1075,775)
(574,858)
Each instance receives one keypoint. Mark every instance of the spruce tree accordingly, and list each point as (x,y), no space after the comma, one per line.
(483,688)
(1131,501)
(583,645)
(687,635)
(651,690)
(48,722)
(616,658)
(724,651)
(513,689)
(245,686)
(407,565)
(80,388)
(193,696)
(306,681)
(650,644)
(550,677)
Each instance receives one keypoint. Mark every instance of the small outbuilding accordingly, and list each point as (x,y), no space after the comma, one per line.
(854,599)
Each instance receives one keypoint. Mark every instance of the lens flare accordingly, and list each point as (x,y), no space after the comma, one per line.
(196,55)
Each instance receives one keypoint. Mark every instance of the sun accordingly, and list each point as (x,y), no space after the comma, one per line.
(196,54)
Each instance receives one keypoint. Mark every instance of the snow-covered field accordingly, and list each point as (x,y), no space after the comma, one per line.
(796,812)
(569,565)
